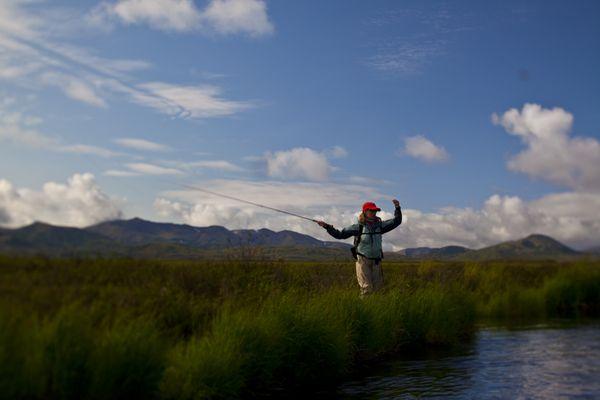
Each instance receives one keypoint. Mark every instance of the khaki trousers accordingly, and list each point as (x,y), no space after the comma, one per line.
(369,275)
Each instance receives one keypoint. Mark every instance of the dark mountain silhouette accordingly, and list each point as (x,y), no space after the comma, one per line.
(432,252)
(593,250)
(137,231)
(141,238)
(42,238)
(146,239)
(534,246)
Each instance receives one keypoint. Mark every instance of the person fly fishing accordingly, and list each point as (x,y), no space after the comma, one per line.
(367,249)
(367,233)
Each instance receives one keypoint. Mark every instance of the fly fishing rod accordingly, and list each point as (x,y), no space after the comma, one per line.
(192,187)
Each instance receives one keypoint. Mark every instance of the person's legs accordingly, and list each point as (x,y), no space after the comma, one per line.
(377,276)
(364,275)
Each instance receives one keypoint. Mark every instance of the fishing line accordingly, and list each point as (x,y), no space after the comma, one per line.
(192,187)
(218,194)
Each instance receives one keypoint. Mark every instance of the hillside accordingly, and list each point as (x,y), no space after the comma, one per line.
(534,246)
(139,238)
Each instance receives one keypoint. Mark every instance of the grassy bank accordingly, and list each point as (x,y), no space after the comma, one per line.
(140,329)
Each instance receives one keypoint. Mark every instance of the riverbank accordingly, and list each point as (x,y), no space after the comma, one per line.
(183,329)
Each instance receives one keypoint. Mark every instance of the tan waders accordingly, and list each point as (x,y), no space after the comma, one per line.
(369,275)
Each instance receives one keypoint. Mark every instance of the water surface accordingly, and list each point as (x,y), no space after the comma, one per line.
(554,360)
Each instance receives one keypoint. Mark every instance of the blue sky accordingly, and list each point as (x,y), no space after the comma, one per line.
(312,106)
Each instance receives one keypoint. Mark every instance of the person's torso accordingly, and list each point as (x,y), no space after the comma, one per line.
(370,241)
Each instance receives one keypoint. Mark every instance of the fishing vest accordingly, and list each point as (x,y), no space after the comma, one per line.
(369,240)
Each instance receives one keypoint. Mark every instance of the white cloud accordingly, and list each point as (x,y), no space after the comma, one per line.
(141,144)
(551,154)
(19,128)
(74,88)
(569,217)
(407,52)
(238,16)
(120,173)
(222,165)
(187,101)
(422,148)
(220,16)
(176,15)
(332,201)
(338,152)
(32,56)
(79,202)
(298,163)
(151,169)
(572,218)
(88,149)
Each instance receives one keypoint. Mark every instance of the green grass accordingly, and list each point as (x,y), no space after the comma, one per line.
(192,330)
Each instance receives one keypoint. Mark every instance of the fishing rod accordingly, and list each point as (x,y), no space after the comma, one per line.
(245,201)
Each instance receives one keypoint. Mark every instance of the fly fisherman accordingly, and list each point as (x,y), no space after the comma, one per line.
(367,244)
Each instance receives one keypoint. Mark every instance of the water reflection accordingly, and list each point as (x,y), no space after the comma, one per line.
(547,362)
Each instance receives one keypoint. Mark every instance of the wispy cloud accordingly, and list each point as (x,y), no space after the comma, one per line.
(32,58)
(23,129)
(152,169)
(141,144)
(401,52)
(222,165)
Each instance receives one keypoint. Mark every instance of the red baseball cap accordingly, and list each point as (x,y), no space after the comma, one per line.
(369,205)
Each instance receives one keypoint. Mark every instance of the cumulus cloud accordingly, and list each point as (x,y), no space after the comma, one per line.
(175,15)
(551,153)
(298,163)
(424,149)
(569,217)
(238,16)
(141,144)
(80,202)
(220,16)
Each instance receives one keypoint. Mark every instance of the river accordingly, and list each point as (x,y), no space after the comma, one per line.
(552,360)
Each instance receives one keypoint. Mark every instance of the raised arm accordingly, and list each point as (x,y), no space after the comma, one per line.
(390,224)
(345,233)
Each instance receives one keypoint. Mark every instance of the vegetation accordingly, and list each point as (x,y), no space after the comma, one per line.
(205,329)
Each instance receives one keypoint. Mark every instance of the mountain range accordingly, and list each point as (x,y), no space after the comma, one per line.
(138,238)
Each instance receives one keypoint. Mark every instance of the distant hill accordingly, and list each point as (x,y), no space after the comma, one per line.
(534,246)
(593,250)
(41,238)
(137,231)
(140,238)
(432,252)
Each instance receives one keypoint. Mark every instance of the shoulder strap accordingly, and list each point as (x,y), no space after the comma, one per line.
(358,237)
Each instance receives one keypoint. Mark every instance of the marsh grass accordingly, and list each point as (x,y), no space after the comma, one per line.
(241,328)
